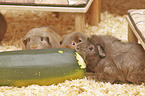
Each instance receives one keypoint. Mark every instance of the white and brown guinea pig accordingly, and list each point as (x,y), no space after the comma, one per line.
(41,38)
(72,39)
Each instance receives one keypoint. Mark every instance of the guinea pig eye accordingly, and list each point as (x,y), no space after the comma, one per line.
(73,43)
(80,40)
(90,48)
(41,38)
(60,42)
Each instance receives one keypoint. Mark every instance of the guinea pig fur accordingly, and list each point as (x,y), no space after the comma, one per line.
(72,39)
(41,38)
(112,60)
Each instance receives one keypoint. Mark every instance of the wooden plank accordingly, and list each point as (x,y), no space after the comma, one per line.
(131,35)
(17,1)
(77,2)
(135,32)
(95,13)
(79,22)
(48,8)
(57,2)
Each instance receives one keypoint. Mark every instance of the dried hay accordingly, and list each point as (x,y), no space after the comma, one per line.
(19,22)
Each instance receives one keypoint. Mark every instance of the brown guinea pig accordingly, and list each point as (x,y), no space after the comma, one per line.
(72,39)
(3,26)
(91,52)
(112,60)
(41,38)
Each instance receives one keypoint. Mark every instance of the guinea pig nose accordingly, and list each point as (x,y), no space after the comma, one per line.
(34,47)
(77,48)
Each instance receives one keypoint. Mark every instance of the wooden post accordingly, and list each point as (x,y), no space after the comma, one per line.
(79,22)
(95,13)
(18,1)
(131,36)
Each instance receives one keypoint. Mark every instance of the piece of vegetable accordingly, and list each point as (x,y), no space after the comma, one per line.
(40,66)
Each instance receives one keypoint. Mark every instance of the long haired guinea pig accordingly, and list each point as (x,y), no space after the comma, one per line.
(91,51)
(72,39)
(41,38)
(96,47)
(112,60)
(3,26)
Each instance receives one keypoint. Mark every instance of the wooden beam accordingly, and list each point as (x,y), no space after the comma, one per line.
(131,35)
(95,13)
(48,8)
(79,22)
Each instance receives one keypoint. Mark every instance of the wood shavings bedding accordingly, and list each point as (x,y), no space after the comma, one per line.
(19,22)
(112,25)
(79,87)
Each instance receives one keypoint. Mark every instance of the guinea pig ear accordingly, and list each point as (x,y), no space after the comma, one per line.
(48,40)
(101,51)
(25,41)
(60,42)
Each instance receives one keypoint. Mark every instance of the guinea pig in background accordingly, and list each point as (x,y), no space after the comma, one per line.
(112,60)
(3,26)
(72,39)
(41,38)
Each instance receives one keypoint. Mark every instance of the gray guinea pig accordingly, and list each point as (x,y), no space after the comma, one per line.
(72,39)
(41,38)
(3,26)
(112,60)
